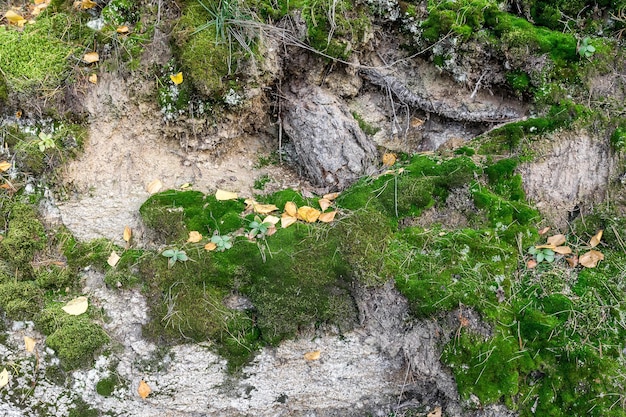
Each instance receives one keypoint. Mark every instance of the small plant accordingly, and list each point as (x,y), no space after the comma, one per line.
(258,228)
(259,183)
(585,49)
(45,141)
(222,242)
(174,255)
(543,254)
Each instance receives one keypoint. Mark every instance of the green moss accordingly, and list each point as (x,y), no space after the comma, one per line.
(259,183)
(106,386)
(24,237)
(55,278)
(20,300)
(618,139)
(367,128)
(76,340)
(82,409)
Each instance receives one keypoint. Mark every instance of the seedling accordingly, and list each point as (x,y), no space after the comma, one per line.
(45,141)
(174,255)
(541,255)
(222,242)
(258,228)
(585,49)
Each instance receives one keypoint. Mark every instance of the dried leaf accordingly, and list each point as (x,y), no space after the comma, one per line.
(544,230)
(29,343)
(548,246)
(324,203)
(327,217)
(122,29)
(177,78)
(556,240)
(591,259)
(531,263)
(271,219)
(93,78)
(270,230)
(194,237)
(15,19)
(287,220)
(331,196)
(91,57)
(5,165)
(264,208)
(308,214)
(563,250)
(85,4)
(210,246)
(291,208)
(114,258)
(186,186)
(144,389)
(155,186)
(4,377)
(313,355)
(222,195)
(435,413)
(573,261)
(595,240)
(77,306)
(389,159)
(128,233)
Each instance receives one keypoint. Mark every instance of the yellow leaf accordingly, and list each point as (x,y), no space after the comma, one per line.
(591,259)
(563,250)
(313,355)
(91,57)
(291,208)
(595,240)
(222,195)
(210,246)
(389,159)
(331,196)
(128,233)
(544,230)
(435,413)
(194,237)
(85,4)
(177,78)
(327,217)
(264,208)
(545,247)
(93,78)
(4,377)
(155,186)
(287,220)
(186,186)
(15,19)
(4,165)
(324,203)
(122,29)
(308,214)
(144,389)
(42,1)
(29,343)
(271,219)
(556,240)
(77,306)
(114,258)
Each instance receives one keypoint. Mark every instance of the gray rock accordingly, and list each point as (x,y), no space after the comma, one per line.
(329,145)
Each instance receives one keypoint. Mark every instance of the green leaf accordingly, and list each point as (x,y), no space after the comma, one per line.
(540,257)
(169,253)
(182,256)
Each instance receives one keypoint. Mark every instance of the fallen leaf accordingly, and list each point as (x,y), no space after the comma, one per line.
(77,306)
(572,261)
(222,195)
(389,159)
(264,208)
(155,186)
(416,122)
(544,230)
(4,377)
(93,78)
(270,230)
(435,413)
(128,233)
(291,208)
(324,203)
(556,240)
(42,1)
(595,240)
(287,220)
(177,78)
(15,19)
(331,196)
(85,4)
(591,259)
(122,29)
(210,246)
(186,186)
(563,250)
(271,219)
(194,237)
(144,389)
(91,57)
(531,263)
(308,214)
(5,165)
(114,258)
(313,355)
(29,343)
(327,217)
(548,246)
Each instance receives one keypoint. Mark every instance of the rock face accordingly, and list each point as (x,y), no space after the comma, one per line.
(329,145)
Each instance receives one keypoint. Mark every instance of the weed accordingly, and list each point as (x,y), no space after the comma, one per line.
(174,255)
(222,242)
(585,49)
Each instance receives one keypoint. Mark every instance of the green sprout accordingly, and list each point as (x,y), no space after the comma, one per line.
(585,49)
(222,242)
(258,228)
(45,141)
(174,255)
(541,255)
